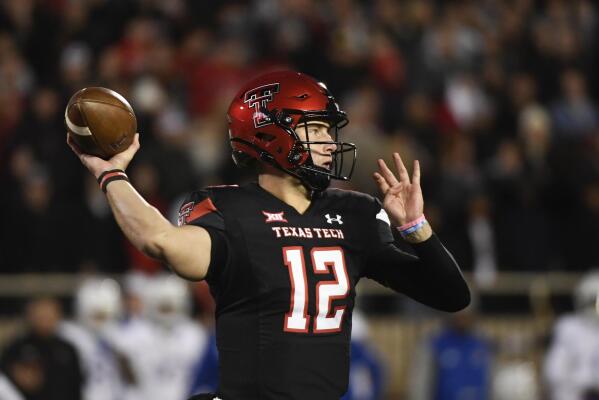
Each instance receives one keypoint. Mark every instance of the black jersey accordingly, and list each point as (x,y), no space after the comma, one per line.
(284,285)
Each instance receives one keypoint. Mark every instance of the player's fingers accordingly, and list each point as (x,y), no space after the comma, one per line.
(401,169)
(133,147)
(416,173)
(387,174)
(383,186)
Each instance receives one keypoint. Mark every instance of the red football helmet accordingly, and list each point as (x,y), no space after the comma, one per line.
(263,118)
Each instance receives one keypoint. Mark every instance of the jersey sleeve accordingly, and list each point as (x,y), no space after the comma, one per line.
(383,225)
(198,209)
(382,242)
(431,276)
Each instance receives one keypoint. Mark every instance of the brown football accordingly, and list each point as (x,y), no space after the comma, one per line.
(100,121)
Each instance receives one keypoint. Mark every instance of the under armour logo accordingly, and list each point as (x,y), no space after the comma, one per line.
(274,217)
(330,219)
(258,98)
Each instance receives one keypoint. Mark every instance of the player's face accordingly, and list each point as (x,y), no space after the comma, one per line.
(318,131)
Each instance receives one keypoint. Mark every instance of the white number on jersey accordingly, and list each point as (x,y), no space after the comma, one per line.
(324,260)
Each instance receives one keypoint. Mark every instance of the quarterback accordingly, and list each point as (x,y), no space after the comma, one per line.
(283,255)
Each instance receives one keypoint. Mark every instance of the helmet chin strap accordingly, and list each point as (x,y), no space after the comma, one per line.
(313,180)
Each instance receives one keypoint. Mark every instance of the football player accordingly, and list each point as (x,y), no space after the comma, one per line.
(165,346)
(283,255)
(571,367)
(98,311)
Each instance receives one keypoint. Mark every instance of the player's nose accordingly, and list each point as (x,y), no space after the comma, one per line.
(330,146)
(333,147)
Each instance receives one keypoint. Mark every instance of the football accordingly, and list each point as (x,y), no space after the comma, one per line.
(100,121)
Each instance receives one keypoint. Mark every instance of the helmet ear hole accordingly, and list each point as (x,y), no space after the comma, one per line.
(283,119)
(297,155)
(241,158)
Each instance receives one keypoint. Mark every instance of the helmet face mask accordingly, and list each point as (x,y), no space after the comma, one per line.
(267,112)
(317,177)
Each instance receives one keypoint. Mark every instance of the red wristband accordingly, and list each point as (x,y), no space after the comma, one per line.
(111,175)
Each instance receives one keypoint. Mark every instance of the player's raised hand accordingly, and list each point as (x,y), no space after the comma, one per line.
(97,165)
(402,198)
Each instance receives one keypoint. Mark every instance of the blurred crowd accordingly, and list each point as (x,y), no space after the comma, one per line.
(143,339)
(140,339)
(496,98)
(141,343)
(462,361)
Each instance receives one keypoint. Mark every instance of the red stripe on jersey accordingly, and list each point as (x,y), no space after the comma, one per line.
(199,210)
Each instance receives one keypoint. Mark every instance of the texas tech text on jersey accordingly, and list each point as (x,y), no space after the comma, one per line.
(284,284)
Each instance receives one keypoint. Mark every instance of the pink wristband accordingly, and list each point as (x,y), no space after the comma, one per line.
(412,223)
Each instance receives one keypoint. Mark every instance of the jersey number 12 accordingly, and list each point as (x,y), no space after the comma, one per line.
(324,261)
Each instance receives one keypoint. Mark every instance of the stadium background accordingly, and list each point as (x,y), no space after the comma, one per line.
(496,98)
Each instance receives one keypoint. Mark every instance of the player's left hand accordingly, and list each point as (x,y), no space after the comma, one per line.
(403,200)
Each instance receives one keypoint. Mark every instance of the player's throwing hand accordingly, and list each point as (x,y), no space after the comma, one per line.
(97,165)
(402,198)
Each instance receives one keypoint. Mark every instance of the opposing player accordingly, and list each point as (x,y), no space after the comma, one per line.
(98,308)
(164,348)
(571,367)
(283,255)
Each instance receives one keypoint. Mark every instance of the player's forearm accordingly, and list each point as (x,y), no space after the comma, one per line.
(140,221)
(440,276)
(433,278)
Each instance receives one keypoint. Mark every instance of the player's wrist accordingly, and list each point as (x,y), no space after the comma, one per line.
(416,231)
(109,176)
(410,224)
